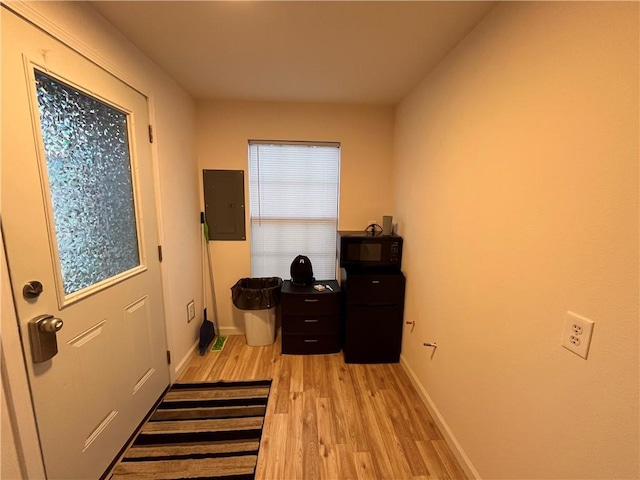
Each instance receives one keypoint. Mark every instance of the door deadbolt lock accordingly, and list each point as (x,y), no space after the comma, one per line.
(42,334)
(32,289)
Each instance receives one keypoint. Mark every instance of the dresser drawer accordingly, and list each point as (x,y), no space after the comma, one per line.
(311,324)
(310,344)
(326,303)
(311,318)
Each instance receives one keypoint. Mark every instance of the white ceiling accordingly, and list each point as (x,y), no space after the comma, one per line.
(370,52)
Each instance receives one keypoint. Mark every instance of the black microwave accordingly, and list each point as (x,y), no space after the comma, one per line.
(367,251)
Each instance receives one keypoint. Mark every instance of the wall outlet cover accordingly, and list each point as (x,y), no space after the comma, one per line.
(576,335)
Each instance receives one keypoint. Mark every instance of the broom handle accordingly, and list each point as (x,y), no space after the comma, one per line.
(203,246)
(205,231)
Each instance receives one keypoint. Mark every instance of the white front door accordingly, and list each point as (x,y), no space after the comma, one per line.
(79,220)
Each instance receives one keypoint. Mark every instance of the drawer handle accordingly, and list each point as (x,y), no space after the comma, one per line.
(311,341)
(311,300)
(311,320)
(375,281)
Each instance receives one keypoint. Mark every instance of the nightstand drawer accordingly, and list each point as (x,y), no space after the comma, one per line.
(310,344)
(311,324)
(312,303)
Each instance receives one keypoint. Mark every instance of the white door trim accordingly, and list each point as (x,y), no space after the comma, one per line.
(34,16)
(20,436)
(14,376)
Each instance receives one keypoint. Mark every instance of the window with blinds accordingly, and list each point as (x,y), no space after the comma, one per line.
(293,191)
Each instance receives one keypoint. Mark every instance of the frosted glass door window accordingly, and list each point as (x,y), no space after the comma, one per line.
(86,144)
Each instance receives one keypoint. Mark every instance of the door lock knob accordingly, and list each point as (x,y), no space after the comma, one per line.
(42,335)
(50,324)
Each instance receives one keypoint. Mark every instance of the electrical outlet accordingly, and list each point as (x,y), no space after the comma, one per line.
(191,311)
(576,335)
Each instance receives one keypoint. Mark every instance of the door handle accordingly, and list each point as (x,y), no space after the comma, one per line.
(42,335)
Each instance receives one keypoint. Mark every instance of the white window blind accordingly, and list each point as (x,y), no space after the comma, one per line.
(293,190)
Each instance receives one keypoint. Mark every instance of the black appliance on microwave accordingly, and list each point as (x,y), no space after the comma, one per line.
(365,251)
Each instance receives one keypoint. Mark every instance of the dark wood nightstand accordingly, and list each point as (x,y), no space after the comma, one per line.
(310,319)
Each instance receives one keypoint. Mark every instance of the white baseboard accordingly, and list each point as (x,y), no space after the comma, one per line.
(226,331)
(448,435)
(183,362)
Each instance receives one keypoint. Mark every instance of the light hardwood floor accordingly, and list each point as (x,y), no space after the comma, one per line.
(330,420)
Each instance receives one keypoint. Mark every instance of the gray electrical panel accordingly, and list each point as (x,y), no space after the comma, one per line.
(224,204)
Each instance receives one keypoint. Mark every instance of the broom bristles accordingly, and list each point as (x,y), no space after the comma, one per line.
(218,343)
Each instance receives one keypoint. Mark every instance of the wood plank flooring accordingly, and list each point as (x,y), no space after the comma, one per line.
(330,420)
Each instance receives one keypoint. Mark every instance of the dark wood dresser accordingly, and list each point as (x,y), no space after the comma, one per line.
(310,319)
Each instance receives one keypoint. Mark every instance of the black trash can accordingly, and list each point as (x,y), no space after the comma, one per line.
(258,298)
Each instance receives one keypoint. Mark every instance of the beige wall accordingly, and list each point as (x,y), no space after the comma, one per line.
(517,184)
(366,137)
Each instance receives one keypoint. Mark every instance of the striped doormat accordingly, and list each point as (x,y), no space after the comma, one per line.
(200,430)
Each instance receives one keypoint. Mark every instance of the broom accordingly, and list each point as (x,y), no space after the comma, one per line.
(210,331)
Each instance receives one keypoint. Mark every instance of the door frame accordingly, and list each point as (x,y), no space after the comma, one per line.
(16,372)
(27,453)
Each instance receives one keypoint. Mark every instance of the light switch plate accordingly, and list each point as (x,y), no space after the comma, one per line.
(191,311)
